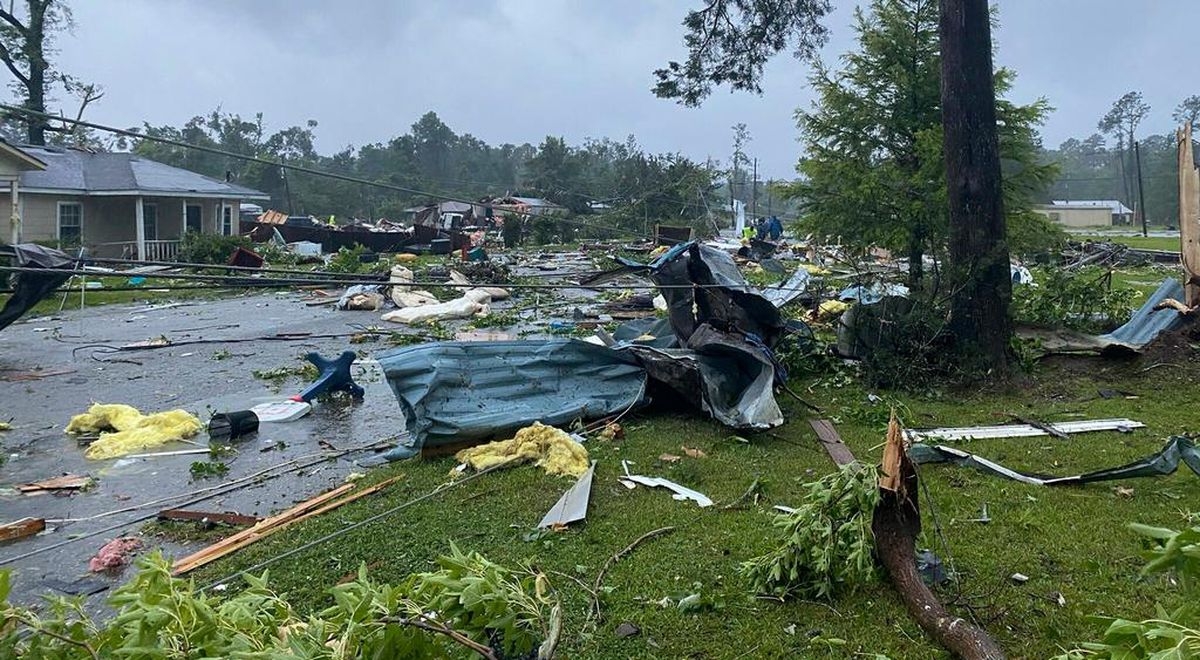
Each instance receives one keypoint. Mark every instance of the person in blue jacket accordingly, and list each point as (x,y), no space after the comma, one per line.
(774,228)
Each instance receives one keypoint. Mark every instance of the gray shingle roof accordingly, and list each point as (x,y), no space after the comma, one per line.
(99,173)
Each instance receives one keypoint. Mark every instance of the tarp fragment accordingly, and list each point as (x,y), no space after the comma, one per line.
(30,288)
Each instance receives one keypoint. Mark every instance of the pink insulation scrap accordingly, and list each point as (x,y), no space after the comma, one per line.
(115,554)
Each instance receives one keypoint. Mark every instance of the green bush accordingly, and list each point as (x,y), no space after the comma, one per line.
(201,248)
(1083,300)
(349,260)
(508,613)
(1169,635)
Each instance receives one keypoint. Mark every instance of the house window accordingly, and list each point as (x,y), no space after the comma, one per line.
(150,221)
(70,223)
(227,220)
(191,218)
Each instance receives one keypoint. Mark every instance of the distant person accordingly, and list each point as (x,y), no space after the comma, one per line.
(747,232)
(775,228)
(761,229)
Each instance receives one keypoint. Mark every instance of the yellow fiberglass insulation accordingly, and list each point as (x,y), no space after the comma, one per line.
(124,429)
(552,448)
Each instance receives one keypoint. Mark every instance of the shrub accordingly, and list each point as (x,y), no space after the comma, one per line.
(201,248)
(1083,300)
(467,602)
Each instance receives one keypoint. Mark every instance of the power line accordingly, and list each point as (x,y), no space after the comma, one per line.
(230,154)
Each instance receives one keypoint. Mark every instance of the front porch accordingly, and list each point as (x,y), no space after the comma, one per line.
(152,228)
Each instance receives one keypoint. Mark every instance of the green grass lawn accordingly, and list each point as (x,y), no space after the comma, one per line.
(1069,541)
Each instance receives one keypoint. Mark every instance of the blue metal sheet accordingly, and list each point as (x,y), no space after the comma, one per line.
(456,391)
(1147,324)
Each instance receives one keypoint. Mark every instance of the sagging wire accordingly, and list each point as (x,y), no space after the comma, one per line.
(221,489)
(353,526)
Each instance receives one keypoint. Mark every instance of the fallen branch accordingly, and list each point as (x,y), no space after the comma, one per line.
(813,407)
(754,489)
(595,609)
(896,523)
(50,633)
(425,623)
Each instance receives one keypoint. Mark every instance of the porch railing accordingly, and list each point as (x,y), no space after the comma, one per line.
(165,250)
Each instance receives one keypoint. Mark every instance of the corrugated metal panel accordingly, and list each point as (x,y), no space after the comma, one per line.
(1147,324)
(1019,430)
(455,391)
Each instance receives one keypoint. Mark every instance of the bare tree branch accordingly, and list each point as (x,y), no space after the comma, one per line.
(11,19)
(7,58)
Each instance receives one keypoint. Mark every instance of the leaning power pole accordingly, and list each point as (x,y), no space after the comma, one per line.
(754,195)
(1137,158)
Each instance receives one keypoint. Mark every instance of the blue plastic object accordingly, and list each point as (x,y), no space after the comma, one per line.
(335,377)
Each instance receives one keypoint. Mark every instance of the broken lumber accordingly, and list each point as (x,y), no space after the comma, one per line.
(264,528)
(832,442)
(22,528)
(896,524)
(65,482)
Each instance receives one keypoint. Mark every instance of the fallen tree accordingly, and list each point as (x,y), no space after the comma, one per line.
(896,524)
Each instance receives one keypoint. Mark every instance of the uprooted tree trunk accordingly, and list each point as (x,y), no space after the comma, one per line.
(896,524)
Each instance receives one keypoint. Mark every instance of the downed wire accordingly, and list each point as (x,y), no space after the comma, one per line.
(383,279)
(349,528)
(221,490)
(273,163)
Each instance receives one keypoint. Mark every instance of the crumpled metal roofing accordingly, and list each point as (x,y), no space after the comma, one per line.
(1146,324)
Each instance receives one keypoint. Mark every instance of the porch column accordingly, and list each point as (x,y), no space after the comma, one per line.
(15,217)
(140,215)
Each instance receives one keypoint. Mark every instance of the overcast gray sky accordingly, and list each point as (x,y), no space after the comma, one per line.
(518,70)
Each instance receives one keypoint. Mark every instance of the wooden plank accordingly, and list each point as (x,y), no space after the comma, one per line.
(266,523)
(832,442)
(22,528)
(65,482)
(227,518)
(275,523)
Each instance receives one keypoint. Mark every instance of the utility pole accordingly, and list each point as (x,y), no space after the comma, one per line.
(1137,156)
(754,195)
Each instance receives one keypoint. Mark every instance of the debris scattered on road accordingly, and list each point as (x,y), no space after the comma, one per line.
(124,429)
(65,482)
(22,528)
(115,554)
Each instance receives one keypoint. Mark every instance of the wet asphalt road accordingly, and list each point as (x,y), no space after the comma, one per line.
(202,379)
